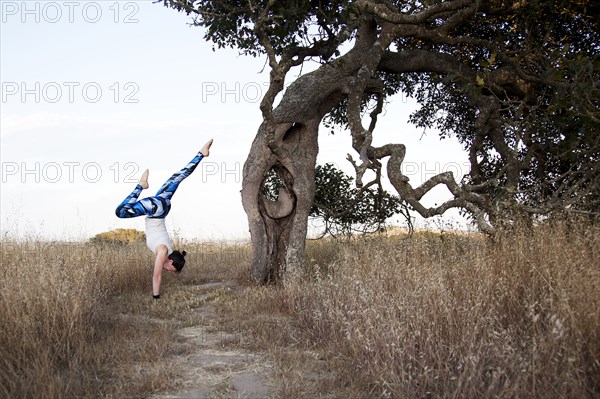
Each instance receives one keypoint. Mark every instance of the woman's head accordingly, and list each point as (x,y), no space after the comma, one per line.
(178,259)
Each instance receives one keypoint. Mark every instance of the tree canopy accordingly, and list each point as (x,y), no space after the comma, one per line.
(515,81)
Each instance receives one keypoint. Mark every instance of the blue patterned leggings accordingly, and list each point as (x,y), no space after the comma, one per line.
(158,206)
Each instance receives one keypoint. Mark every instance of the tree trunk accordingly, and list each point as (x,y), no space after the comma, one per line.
(278,228)
(287,144)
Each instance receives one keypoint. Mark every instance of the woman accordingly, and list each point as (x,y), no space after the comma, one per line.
(156,209)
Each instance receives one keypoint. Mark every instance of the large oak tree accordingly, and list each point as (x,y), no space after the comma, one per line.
(516,81)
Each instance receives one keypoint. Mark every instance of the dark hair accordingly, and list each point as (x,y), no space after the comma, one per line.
(178,259)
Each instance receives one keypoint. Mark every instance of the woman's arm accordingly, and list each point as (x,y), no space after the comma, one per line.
(161,258)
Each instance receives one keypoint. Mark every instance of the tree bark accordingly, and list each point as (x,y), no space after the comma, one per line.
(278,228)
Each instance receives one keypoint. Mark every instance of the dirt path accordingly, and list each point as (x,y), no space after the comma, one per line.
(212,369)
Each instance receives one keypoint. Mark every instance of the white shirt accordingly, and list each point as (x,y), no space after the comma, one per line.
(156,234)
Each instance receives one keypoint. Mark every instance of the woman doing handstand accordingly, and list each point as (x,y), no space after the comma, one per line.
(156,209)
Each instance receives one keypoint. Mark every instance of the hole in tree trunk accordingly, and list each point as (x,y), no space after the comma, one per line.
(277,197)
(271,185)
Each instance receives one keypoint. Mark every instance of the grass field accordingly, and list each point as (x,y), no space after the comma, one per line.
(430,315)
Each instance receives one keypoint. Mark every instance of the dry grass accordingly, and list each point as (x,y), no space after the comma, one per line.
(439,316)
(433,315)
(78,319)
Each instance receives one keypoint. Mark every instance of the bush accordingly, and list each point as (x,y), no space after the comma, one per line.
(119,236)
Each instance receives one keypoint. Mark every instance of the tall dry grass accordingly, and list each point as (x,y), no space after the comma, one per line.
(438,316)
(78,319)
(432,315)
(53,297)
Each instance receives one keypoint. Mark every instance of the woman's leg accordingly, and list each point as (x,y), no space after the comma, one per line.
(168,189)
(131,207)
(159,205)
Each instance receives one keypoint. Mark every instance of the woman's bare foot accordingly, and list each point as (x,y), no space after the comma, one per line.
(205,150)
(144,179)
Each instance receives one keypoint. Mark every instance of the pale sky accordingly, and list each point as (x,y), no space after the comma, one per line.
(94,92)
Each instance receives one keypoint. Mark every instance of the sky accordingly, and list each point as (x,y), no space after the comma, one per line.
(95,92)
